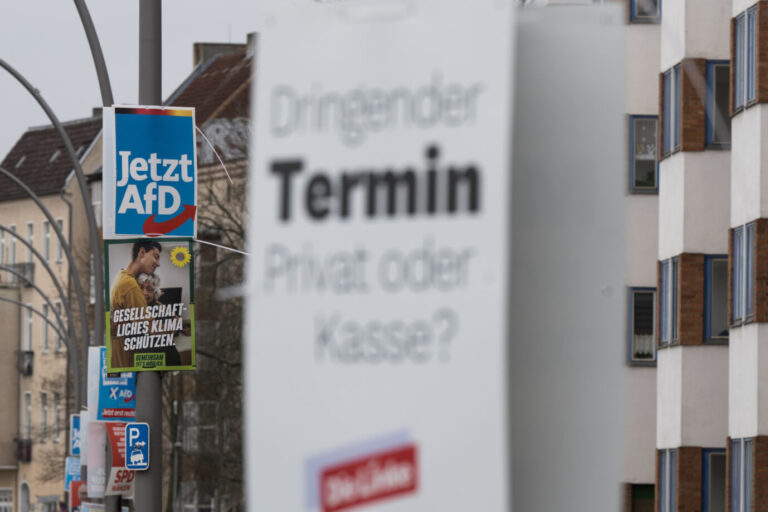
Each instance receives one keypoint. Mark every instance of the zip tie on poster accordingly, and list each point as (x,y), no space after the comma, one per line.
(221,246)
(215,153)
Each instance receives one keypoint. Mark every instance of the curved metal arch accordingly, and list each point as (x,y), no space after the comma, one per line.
(40,314)
(42,294)
(78,397)
(98,319)
(98,56)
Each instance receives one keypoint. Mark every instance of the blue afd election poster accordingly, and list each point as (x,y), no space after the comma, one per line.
(111,395)
(149,172)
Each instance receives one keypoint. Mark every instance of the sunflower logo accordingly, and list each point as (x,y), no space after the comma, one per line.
(180,256)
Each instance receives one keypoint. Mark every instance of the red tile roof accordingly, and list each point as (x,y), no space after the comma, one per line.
(34,158)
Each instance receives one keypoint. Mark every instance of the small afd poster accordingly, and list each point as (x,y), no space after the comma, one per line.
(150,303)
(111,396)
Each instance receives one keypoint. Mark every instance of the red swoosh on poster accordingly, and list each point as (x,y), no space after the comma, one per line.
(152,228)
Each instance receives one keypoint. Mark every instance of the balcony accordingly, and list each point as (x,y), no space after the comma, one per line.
(23,450)
(24,362)
(25,269)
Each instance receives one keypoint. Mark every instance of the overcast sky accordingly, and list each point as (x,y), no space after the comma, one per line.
(44,41)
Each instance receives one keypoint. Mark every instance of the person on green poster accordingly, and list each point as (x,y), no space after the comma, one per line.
(126,293)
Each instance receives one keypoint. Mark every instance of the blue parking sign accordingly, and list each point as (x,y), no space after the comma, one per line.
(137,446)
(149,172)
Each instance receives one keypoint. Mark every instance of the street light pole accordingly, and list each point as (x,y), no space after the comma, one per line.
(149,483)
(98,56)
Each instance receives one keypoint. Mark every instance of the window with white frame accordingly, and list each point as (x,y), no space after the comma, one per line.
(717,112)
(56,417)
(12,251)
(667,480)
(46,240)
(59,250)
(30,240)
(672,111)
(44,329)
(642,343)
(96,197)
(668,301)
(6,500)
(645,11)
(58,337)
(26,427)
(643,153)
(197,497)
(744,42)
(741,475)
(28,328)
(43,417)
(713,480)
(743,273)
(716,298)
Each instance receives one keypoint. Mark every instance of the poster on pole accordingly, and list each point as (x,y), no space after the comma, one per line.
(380,191)
(77,493)
(149,172)
(111,396)
(72,472)
(97,460)
(74,435)
(150,305)
(121,480)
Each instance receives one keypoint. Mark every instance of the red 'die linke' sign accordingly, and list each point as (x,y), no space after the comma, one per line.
(370,478)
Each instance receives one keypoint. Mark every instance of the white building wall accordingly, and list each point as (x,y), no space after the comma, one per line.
(707,30)
(747,166)
(643,46)
(672,33)
(739,6)
(669,394)
(640,436)
(671,205)
(705,396)
(642,239)
(742,379)
(706,207)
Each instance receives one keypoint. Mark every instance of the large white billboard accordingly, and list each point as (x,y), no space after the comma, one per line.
(379,231)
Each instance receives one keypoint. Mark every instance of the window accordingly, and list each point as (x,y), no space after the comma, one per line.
(44,329)
(743,273)
(718,115)
(27,426)
(28,328)
(741,475)
(642,497)
(56,417)
(197,497)
(672,111)
(46,240)
(96,197)
(6,500)
(58,337)
(641,325)
(716,298)
(59,251)
(12,255)
(667,474)
(2,248)
(43,417)
(668,301)
(30,240)
(643,164)
(645,11)
(713,480)
(744,38)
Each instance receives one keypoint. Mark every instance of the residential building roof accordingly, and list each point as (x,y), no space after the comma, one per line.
(40,159)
